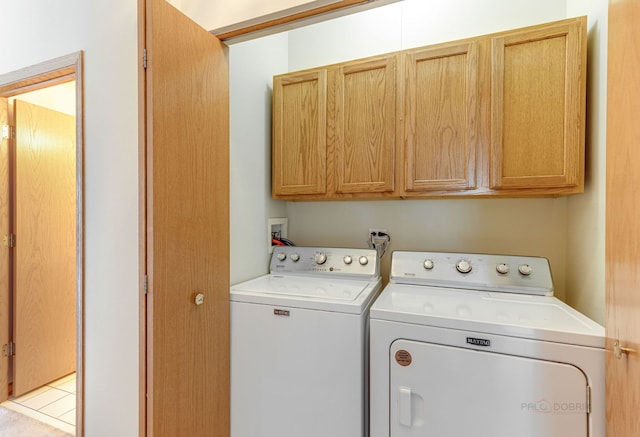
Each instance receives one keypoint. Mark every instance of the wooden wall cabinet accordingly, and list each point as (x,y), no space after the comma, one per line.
(362,123)
(299,134)
(501,115)
(538,90)
(334,130)
(440,118)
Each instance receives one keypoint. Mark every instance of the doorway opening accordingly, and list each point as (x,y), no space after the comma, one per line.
(41,258)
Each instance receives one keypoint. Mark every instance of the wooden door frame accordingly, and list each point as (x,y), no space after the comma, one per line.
(43,75)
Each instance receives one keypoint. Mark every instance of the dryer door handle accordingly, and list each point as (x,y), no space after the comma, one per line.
(404,406)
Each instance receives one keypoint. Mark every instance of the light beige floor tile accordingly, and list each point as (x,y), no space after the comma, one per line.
(69,417)
(45,398)
(60,407)
(69,386)
(31,394)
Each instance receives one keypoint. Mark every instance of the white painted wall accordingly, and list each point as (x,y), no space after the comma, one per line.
(586,213)
(569,230)
(412,23)
(106,30)
(216,14)
(252,66)
(514,226)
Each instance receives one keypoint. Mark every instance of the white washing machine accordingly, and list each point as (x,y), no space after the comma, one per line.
(299,337)
(476,345)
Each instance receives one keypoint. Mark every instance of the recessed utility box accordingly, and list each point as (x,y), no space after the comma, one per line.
(276,228)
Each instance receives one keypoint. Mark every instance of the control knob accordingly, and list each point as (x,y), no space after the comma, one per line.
(363,260)
(295,257)
(282,256)
(428,264)
(502,268)
(347,259)
(320,258)
(463,266)
(525,269)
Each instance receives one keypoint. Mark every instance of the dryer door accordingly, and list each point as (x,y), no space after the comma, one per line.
(445,391)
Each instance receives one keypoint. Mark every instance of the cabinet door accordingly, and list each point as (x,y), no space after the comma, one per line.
(441,118)
(538,102)
(299,133)
(362,125)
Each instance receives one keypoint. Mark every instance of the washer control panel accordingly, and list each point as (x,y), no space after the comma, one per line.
(362,263)
(506,273)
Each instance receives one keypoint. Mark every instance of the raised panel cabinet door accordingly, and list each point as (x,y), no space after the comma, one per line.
(441,118)
(538,91)
(362,125)
(299,134)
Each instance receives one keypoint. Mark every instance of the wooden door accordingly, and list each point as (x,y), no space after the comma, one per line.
(299,134)
(44,263)
(362,129)
(4,253)
(187,227)
(622,246)
(538,94)
(441,118)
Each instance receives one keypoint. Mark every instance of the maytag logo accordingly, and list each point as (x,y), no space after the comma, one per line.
(479,341)
(278,312)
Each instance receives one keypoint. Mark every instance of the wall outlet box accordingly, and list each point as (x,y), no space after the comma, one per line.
(276,228)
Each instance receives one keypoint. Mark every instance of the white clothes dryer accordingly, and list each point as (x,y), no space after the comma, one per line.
(476,345)
(299,344)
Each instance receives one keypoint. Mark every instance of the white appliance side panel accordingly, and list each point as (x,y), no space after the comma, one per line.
(294,375)
(445,391)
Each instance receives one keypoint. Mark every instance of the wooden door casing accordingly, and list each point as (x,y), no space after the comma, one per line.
(622,246)
(4,251)
(44,265)
(187,227)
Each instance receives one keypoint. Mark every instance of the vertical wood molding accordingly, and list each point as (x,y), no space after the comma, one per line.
(4,252)
(142,221)
(622,234)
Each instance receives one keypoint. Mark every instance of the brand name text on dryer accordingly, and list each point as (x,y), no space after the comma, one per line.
(479,341)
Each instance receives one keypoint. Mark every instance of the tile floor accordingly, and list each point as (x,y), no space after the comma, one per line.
(54,404)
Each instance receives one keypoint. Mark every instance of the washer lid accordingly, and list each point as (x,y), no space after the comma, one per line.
(342,295)
(535,317)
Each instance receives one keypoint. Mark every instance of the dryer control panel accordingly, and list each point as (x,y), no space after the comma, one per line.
(506,273)
(345,262)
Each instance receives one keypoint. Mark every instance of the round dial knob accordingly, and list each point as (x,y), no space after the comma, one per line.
(525,269)
(282,256)
(363,260)
(428,264)
(503,268)
(320,258)
(463,266)
(347,259)
(295,257)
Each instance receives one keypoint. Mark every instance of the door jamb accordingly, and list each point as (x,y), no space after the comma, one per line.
(42,75)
